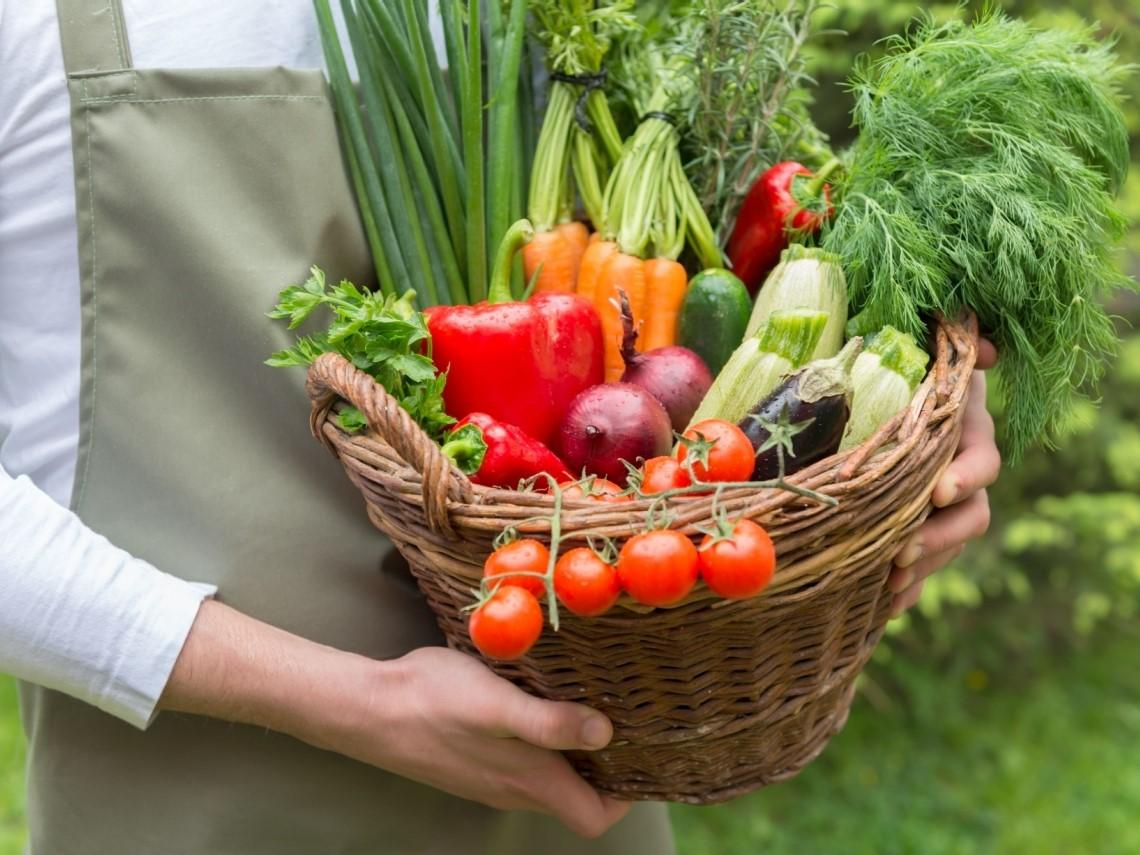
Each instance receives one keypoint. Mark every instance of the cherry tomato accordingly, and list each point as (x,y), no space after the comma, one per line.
(658,568)
(663,473)
(508,624)
(586,584)
(731,457)
(741,566)
(521,556)
(601,490)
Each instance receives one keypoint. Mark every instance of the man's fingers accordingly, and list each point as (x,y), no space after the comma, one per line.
(987,354)
(946,529)
(978,461)
(907,582)
(556,725)
(906,599)
(562,793)
(903,578)
(974,469)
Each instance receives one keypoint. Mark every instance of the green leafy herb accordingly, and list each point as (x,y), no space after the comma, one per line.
(983,177)
(380,334)
(351,420)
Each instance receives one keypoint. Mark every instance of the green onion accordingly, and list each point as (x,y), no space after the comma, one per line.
(386,253)
(472,116)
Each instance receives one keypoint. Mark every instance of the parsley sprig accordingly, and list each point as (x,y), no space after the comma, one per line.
(383,336)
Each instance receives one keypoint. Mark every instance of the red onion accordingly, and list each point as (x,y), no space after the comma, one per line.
(609,423)
(674,375)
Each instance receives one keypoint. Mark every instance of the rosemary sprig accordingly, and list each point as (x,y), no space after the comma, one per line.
(752,94)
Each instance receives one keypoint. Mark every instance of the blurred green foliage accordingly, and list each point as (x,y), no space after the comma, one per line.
(1037,756)
(11,772)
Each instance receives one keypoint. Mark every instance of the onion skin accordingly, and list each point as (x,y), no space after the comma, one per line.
(675,376)
(609,423)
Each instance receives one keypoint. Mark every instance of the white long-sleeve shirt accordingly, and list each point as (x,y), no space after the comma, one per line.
(78,614)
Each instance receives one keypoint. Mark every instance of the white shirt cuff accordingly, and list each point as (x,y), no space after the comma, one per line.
(82,616)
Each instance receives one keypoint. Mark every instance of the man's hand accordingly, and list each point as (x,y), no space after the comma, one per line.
(436,716)
(960,494)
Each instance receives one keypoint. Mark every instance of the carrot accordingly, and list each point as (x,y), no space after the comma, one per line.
(577,238)
(553,259)
(665,285)
(593,260)
(559,253)
(622,272)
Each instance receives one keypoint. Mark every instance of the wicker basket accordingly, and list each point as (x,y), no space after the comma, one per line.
(712,698)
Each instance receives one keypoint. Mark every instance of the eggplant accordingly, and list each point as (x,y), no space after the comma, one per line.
(817,397)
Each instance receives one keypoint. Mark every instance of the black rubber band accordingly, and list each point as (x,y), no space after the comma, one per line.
(588,82)
(668,118)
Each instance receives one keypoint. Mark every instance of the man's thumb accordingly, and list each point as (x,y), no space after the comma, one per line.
(560,726)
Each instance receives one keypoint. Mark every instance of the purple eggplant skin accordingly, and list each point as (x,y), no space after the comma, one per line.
(818,440)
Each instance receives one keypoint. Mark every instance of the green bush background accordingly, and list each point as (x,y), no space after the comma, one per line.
(1004,714)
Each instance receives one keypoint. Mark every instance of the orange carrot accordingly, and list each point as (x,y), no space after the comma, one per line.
(665,285)
(593,259)
(549,254)
(621,272)
(577,238)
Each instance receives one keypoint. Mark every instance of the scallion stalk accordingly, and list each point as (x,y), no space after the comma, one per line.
(472,117)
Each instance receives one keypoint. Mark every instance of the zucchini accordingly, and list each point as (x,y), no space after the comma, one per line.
(817,398)
(755,368)
(714,316)
(884,378)
(806,279)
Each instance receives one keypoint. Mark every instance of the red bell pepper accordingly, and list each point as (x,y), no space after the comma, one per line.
(770,214)
(520,362)
(508,454)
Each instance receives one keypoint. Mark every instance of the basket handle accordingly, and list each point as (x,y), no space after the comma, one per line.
(332,377)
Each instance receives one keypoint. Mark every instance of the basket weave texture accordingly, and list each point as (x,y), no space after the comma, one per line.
(712,698)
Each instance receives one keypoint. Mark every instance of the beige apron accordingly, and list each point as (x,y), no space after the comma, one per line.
(199,195)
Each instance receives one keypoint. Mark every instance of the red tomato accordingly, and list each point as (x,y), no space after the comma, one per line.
(731,457)
(600,491)
(658,568)
(663,473)
(585,583)
(521,556)
(739,567)
(508,624)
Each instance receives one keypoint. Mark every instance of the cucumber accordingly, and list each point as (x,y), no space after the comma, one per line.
(714,316)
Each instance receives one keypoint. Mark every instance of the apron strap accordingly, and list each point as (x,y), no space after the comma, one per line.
(94,36)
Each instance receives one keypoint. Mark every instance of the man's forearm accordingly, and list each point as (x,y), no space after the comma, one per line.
(236,668)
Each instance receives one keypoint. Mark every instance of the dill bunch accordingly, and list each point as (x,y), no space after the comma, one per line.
(984,177)
(752,96)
